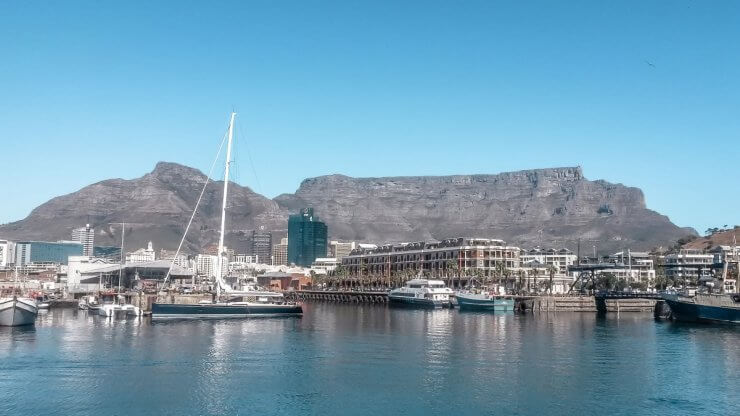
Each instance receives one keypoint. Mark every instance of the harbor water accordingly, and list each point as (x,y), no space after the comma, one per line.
(370,360)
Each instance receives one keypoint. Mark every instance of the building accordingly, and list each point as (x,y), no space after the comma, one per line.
(107,252)
(206,265)
(280,253)
(7,253)
(142,255)
(262,246)
(85,236)
(454,257)
(633,266)
(324,265)
(78,268)
(244,258)
(339,250)
(307,238)
(560,259)
(689,264)
(27,252)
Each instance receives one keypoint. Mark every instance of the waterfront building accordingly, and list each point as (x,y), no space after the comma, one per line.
(169,255)
(280,253)
(340,250)
(78,268)
(85,236)
(453,258)
(262,246)
(689,264)
(142,255)
(307,238)
(633,266)
(722,254)
(46,252)
(324,265)
(560,259)
(7,253)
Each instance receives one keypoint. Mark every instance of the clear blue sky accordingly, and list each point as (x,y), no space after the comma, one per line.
(646,93)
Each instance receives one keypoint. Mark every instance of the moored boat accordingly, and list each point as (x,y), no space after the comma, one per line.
(705,307)
(422,293)
(483,302)
(229,303)
(17,311)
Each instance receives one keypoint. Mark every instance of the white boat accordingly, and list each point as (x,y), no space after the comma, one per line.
(17,311)
(422,293)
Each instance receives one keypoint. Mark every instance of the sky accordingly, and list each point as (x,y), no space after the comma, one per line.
(644,93)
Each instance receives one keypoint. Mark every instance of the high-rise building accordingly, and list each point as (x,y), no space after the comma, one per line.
(306,238)
(262,245)
(280,253)
(85,236)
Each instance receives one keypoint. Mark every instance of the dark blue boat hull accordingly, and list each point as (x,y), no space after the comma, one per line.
(214,311)
(691,312)
(416,302)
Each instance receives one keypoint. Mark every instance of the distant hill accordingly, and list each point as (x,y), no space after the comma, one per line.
(554,207)
(722,238)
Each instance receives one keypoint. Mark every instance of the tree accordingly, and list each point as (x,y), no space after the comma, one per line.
(606,281)
(521,274)
(551,270)
(452,269)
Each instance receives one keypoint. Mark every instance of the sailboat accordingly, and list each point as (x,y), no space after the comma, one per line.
(117,307)
(228,303)
(17,310)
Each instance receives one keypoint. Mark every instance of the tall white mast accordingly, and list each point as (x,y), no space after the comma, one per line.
(219,277)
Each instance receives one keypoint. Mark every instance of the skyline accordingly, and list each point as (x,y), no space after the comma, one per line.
(370,90)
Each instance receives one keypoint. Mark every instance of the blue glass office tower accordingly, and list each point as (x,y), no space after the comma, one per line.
(307,238)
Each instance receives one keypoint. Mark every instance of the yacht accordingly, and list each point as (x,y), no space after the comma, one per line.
(423,293)
(228,302)
(17,311)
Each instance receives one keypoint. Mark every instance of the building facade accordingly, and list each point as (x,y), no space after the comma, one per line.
(262,246)
(456,256)
(142,255)
(689,264)
(560,259)
(307,238)
(85,236)
(340,250)
(280,253)
(27,252)
(7,253)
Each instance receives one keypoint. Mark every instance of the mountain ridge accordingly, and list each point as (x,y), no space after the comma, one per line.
(548,206)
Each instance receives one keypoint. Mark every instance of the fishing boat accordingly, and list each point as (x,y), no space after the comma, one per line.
(227,302)
(17,310)
(704,307)
(483,302)
(421,293)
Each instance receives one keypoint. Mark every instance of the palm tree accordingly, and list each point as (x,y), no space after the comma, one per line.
(452,269)
(521,274)
(533,272)
(551,271)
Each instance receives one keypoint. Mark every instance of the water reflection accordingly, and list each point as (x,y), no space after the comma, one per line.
(342,359)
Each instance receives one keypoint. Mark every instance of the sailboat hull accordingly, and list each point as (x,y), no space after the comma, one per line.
(222,311)
(17,312)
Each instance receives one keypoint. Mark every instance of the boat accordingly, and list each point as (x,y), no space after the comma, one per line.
(17,311)
(228,302)
(704,307)
(422,293)
(483,302)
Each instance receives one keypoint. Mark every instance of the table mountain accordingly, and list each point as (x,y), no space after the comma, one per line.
(552,207)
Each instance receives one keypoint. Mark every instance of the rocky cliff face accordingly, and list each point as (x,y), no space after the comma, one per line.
(553,206)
